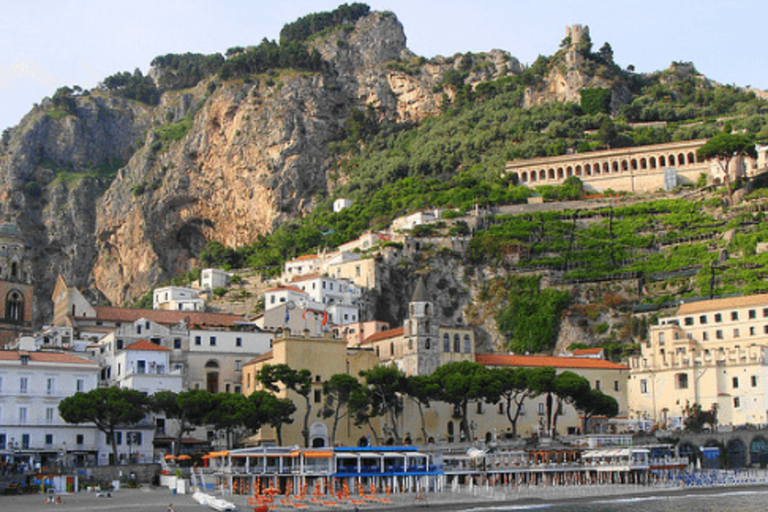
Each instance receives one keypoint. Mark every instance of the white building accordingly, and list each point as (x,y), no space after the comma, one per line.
(177,298)
(32,384)
(341,203)
(212,278)
(409,222)
(145,366)
(284,295)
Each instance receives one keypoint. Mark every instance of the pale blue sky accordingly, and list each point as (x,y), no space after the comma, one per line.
(45,44)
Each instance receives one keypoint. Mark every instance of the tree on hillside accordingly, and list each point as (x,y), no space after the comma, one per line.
(386,384)
(463,382)
(190,408)
(514,390)
(595,403)
(298,381)
(230,414)
(338,390)
(723,148)
(107,408)
(268,409)
(569,388)
(422,390)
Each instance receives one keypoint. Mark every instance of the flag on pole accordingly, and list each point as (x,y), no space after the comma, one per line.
(325,318)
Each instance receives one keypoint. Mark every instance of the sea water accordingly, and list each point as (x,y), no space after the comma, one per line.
(715,500)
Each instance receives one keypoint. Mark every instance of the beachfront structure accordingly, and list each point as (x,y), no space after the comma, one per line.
(177,298)
(331,475)
(32,384)
(711,352)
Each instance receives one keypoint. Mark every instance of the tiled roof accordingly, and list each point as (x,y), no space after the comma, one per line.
(281,288)
(306,257)
(146,345)
(164,316)
(383,335)
(305,277)
(544,361)
(587,351)
(704,306)
(45,357)
(263,357)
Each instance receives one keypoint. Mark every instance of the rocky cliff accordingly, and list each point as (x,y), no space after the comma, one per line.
(117,195)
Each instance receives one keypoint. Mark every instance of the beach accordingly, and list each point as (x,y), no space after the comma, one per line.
(147,498)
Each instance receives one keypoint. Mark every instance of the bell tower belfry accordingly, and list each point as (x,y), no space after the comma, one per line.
(421,354)
(15,285)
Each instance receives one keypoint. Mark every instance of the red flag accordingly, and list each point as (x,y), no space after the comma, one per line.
(304,315)
(325,317)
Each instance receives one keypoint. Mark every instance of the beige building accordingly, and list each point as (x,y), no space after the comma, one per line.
(323,356)
(15,285)
(633,169)
(710,352)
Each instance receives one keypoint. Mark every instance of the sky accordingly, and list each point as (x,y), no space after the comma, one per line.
(47,44)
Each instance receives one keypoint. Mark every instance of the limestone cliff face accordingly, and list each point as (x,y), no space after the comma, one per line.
(114,205)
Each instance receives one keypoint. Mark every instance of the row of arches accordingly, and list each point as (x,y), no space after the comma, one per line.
(609,167)
(736,453)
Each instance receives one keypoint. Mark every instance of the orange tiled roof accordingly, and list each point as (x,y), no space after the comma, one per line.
(263,357)
(306,257)
(704,306)
(146,345)
(587,351)
(164,316)
(305,277)
(543,361)
(383,335)
(45,357)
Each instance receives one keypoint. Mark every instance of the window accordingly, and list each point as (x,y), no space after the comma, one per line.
(643,386)
(719,334)
(238,342)
(500,406)
(25,441)
(734,315)
(23,385)
(177,343)
(212,341)
(752,331)
(597,385)
(22,415)
(615,385)
(198,340)
(688,320)
(735,382)
(427,344)
(238,389)
(119,344)
(753,381)
(49,386)
(736,402)
(703,319)
(318,396)
(682,381)
(752,314)
(238,365)
(138,329)
(735,333)
(765,312)
(718,317)
(456,343)
(661,338)
(49,414)
(479,407)
(541,410)
(446,342)
(80,385)
(49,439)
(705,335)
(467,344)
(79,439)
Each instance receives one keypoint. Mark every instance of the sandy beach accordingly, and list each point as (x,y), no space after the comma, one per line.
(157,499)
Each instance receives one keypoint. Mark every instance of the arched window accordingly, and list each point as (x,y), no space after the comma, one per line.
(212,376)
(588,170)
(467,344)
(624,165)
(578,170)
(14,269)
(14,307)
(634,164)
(560,173)
(446,342)
(551,174)
(427,344)
(524,177)
(569,171)
(681,159)
(671,160)
(542,175)
(691,158)
(615,166)
(391,349)
(643,163)
(652,162)
(456,343)
(662,161)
